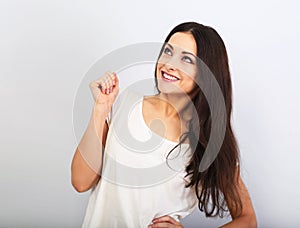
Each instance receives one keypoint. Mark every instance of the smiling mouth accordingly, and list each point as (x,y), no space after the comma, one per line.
(169,77)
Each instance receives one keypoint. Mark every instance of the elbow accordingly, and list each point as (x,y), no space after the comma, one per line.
(79,186)
(82,185)
(246,220)
(250,221)
(253,221)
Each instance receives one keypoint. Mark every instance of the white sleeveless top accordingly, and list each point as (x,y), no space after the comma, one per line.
(138,182)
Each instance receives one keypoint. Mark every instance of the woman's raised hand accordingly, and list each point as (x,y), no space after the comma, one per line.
(105,90)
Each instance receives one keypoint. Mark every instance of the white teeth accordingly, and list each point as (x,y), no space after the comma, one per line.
(170,77)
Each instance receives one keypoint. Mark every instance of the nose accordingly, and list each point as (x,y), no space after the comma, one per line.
(172,64)
(170,67)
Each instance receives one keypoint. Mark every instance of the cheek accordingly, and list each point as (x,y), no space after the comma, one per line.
(190,71)
(189,83)
(158,68)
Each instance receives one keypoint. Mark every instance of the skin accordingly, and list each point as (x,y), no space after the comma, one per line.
(87,160)
(247,219)
(171,106)
(166,106)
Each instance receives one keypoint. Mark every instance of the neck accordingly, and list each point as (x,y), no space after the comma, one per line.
(174,105)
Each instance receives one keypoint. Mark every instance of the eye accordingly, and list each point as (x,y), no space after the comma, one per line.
(187,59)
(167,51)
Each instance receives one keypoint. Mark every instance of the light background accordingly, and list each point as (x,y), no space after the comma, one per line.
(47,46)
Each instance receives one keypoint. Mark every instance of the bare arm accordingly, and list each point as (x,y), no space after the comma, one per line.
(87,161)
(247,217)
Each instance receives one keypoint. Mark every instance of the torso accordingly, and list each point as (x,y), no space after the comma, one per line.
(136,184)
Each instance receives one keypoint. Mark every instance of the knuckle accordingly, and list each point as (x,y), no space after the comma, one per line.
(112,76)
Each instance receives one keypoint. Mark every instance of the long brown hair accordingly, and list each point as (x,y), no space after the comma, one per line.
(215,187)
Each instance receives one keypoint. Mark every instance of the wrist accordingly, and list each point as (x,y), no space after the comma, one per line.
(98,118)
(101,109)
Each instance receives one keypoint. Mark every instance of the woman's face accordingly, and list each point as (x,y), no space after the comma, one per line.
(177,66)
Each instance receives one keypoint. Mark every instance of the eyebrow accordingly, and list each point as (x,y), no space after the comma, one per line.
(189,53)
(184,52)
(170,46)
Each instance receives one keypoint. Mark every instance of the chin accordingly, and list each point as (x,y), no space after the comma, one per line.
(170,90)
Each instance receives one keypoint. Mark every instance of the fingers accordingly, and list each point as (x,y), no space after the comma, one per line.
(162,224)
(166,218)
(165,221)
(106,83)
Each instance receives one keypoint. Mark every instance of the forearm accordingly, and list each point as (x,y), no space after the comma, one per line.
(87,161)
(242,222)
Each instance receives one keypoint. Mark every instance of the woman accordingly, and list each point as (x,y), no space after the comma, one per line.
(179,81)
